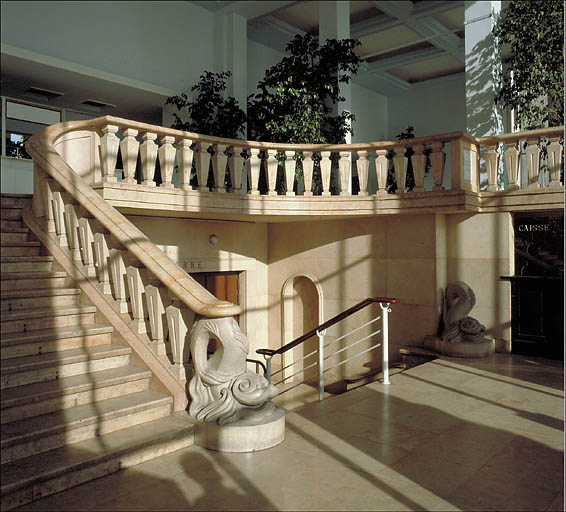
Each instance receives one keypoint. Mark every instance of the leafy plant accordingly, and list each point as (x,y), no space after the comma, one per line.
(535,32)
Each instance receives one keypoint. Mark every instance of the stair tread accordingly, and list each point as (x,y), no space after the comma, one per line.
(14,230)
(20,259)
(31,313)
(50,464)
(6,243)
(38,292)
(74,355)
(32,275)
(80,416)
(32,393)
(54,333)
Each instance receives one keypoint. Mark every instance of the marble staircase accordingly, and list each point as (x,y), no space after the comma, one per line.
(73,408)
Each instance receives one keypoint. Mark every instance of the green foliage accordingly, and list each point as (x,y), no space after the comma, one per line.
(296,97)
(535,32)
(209,113)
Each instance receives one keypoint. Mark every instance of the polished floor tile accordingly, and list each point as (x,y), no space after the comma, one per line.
(484,434)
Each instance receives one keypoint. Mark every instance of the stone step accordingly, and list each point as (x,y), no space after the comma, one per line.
(57,470)
(42,341)
(20,439)
(11,300)
(32,280)
(20,248)
(11,213)
(44,318)
(17,201)
(14,236)
(23,402)
(26,263)
(19,371)
(10,223)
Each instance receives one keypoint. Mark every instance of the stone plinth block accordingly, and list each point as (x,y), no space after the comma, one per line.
(482,348)
(258,429)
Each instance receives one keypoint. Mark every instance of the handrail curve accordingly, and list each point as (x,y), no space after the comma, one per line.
(41,147)
(325,325)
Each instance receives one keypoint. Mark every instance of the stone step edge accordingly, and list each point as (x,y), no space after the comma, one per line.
(14,230)
(177,431)
(103,379)
(6,243)
(53,334)
(60,424)
(36,313)
(42,361)
(38,292)
(26,259)
(32,275)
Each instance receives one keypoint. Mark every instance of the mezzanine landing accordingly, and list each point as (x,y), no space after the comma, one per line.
(452,434)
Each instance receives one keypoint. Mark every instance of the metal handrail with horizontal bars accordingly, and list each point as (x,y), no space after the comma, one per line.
(320,331)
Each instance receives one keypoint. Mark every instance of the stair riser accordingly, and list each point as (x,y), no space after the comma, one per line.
(16,412)
(14,202)
(10,213)
(47,322)
(39,302)
(42,347)
(10,223)
(13,237)
(19,251)
(21,378)
(72,478)
(27,266)
(75,435)
(33,284)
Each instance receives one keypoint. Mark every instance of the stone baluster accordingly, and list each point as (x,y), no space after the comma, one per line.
(129,147)
(166,155)
(179,322)
(148,153)
(219,161)
(155,298)
(533,163)
(235,163)
(202,164)
(136,291)
(254,166)
(48,185)
(58,216)
(512,163)
(102,254)
(418,159)
(381,168)
(72,229)
(344,166)
(109,144)
(272,165)
(118,271)
(325,170)
(492,165)
(308,168)
(554,150)
(290,167)
(400,162)
(437,158)
(362,166)
(87,240)
(185,163)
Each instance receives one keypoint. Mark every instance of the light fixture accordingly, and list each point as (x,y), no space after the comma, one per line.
(213,239)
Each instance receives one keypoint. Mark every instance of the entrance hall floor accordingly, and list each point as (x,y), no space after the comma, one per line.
(451,434)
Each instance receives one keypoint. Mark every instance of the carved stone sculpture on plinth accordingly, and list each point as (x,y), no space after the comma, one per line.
(463,336)
(230,403)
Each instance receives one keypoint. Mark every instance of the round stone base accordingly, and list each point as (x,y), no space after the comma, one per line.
(246,435)
(461,349)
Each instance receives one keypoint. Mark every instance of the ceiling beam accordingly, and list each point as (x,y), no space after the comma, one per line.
(425,25)
(405,59)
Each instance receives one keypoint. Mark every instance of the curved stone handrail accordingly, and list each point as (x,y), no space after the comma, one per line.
(41,147)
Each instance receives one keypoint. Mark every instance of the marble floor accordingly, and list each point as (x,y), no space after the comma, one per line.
(451,434)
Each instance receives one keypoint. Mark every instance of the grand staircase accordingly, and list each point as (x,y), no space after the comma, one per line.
(73,408)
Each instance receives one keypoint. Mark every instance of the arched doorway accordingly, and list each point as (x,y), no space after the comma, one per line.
(301,311)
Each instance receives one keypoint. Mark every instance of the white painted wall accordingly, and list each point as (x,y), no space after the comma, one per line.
(260,58)
(436,108)
(372,115)
(164,43)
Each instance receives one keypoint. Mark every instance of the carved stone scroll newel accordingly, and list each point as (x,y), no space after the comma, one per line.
(231,404)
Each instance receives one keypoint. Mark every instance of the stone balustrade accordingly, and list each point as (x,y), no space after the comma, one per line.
(174,159)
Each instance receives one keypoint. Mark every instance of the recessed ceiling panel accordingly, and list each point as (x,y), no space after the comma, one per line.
(428,69)
(390,39)
(303,15)
(362,10)
(453,19)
